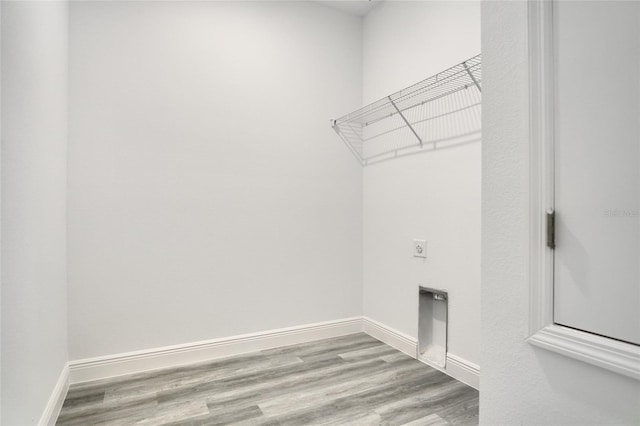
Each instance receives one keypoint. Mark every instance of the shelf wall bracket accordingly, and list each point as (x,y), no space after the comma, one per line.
(472,77)
(405,120)
(334,126)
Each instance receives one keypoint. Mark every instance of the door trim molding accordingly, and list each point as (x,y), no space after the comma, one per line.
(613,355)
(541,168)
(619,357)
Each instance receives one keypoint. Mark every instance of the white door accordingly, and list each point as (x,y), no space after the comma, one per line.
(597,162)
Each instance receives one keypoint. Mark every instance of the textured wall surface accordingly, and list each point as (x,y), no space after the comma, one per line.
(522,384)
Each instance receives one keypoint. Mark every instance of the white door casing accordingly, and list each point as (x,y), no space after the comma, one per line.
(614,355)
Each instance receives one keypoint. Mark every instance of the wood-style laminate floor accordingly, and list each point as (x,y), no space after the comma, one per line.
(349,380)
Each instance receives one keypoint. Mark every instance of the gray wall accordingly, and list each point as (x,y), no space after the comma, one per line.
(34,134)
(208,195)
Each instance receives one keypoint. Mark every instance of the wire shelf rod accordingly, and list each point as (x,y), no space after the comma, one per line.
(443,107)
(442,95)
(435,117)
(460,73)
(405,120)
(434,96)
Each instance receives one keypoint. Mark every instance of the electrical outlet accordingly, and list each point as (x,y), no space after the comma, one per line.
(420,248)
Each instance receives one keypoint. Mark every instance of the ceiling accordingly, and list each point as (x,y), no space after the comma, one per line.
(352,7)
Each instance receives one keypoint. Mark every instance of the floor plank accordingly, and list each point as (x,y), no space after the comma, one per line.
(348,380)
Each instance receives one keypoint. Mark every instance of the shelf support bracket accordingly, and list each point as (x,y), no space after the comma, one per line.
(405,120)
(334,126)
(472,77)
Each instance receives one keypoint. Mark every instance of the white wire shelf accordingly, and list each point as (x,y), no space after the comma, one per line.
(444,108)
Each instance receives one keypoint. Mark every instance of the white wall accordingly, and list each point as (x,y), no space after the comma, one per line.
(522,384)
(208,195)
(34,133)
(433,195)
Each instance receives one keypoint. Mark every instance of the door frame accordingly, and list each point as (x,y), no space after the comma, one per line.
(613,355)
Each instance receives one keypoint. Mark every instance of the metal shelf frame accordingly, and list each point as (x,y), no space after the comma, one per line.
(441,108)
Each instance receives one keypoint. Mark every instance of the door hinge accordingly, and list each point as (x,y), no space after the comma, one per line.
(551,229)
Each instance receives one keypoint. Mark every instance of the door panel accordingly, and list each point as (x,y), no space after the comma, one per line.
(597,162)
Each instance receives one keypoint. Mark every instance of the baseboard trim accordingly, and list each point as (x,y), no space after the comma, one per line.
(456,367)
(104,367)
(391,337)
(109,366)
(463,370)
(54,405)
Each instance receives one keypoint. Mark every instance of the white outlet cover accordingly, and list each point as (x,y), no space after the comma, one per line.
(419,248)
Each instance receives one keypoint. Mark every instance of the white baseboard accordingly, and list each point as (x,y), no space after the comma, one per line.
(54,405)
(391,337)
(171,356)
(463,370)
(456,367)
